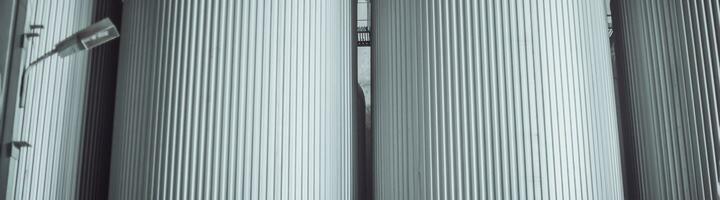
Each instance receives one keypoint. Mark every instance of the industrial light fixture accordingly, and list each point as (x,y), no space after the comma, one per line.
(88,38)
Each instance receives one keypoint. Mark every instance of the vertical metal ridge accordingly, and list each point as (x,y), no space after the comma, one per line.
(234,100)
(494,100)
(669,66)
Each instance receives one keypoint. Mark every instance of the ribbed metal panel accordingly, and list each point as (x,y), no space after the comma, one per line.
(54,114)
(234,100)
(494,100)
(669,61)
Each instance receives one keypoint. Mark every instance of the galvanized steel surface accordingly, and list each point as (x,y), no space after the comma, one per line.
(669,62)
(234,100)
(494,100)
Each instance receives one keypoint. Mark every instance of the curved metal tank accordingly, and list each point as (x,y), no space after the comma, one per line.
(669,62)
(494,100)
(234,100)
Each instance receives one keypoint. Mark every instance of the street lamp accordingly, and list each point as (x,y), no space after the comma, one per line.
(88,38)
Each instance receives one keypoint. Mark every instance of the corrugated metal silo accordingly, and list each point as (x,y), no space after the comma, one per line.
(669,61)
(494,100)
(234,100)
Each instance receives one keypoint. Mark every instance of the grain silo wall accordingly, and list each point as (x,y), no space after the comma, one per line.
(494,100)
(232,99)
(668,60)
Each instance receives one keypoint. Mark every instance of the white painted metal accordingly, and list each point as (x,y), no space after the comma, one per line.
(494,100)
(234,100)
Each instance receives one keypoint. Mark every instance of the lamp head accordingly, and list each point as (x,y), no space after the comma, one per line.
(88,38)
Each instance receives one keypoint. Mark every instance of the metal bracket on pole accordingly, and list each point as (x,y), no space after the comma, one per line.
(14,148)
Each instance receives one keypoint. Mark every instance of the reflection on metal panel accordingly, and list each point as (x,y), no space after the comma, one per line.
(494,100)
(669,66)
(234,100)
